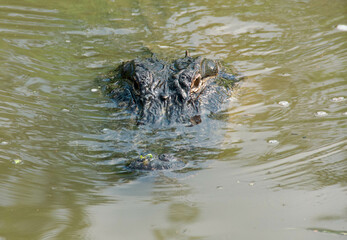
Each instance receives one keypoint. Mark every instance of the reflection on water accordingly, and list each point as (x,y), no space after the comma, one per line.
(279,143)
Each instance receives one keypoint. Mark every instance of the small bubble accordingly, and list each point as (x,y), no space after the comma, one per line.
(4,143)
(68,41)
(90,54)
(284,103)
(105,130)
(341,27)
(87,48)
(338,99)
(162,46)
(273,141)
(94,90)
(321,114)
(65,110)
(74,143)
(96,65)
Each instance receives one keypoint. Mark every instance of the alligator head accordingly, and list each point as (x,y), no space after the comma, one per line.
(155,89)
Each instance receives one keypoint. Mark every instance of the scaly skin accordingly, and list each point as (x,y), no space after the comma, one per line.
(173,92)
(168,92)
(148,162)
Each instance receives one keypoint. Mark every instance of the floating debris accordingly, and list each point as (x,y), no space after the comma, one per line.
(273,141)
(94,90)
(67,41)
(219,187)
(341,27)
(4,143)
(321,114)
(17,161)
(338,99)
(65,110)
(251,184)
(284,103)
(325,230)
(148,156)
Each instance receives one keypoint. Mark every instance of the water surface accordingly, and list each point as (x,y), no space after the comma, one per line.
(271,165)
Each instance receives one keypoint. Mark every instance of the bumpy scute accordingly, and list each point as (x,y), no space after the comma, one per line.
(156,90)
(148,162)
(168,92)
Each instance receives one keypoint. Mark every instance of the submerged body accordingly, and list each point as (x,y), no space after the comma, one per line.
(169,92)
(162,162)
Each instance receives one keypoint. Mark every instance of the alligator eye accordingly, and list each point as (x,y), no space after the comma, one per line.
(195,84)
(209,68)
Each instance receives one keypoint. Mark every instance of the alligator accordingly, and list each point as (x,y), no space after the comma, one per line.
(162,162)
(164,92)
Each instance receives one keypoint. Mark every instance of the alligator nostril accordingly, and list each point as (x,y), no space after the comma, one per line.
(164,97)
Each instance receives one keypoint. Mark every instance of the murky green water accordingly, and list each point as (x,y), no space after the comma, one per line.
(270,166)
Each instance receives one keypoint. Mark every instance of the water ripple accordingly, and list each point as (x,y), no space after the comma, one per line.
(325,164)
